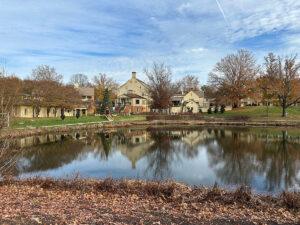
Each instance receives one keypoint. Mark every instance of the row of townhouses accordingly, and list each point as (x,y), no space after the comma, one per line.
(132,98)
(25,109)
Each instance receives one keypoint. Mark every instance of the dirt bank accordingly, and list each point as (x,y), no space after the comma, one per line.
(46,201)
(16,133)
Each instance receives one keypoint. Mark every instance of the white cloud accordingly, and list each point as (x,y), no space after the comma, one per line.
(131,34)
(197,50)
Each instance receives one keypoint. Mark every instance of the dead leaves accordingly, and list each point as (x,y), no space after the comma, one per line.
(137,202)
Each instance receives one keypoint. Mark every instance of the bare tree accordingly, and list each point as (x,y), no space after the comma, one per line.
(283,77)
(234,75)
(160,85)
(46,73)
(101,82)
(190,82)
(81,79)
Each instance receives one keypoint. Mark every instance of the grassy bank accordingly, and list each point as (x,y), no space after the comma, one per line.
(259,113)
(256,113)
(41,122)
(81,201)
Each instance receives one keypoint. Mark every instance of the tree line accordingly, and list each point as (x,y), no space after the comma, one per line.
(235,77)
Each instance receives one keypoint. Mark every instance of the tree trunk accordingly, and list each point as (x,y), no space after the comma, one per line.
(284,106)
(284,136)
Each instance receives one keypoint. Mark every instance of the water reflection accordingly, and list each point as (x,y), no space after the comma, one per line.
(267,161)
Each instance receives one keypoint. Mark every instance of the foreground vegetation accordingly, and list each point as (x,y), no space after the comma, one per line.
(80,201)
(40,122)
(259,113)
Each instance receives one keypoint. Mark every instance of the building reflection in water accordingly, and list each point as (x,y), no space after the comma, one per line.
(235,156)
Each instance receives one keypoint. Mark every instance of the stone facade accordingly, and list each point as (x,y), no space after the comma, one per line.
(133,97)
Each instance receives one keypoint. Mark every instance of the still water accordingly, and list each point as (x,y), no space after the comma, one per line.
(268,160)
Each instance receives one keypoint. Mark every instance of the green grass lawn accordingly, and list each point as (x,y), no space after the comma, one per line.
(39,122)
(259,113)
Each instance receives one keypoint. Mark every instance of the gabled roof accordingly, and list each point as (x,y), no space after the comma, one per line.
(199,93)
(175,98)
(83,91)
(142,82)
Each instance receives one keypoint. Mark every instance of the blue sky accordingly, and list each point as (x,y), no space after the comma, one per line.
(120,36)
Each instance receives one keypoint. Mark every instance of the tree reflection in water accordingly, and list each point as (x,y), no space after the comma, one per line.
(235,156)
(239,157)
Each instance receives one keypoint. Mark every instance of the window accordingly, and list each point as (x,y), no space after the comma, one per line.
(53,111)
(144,102)
(25,111)
(89,97)
(137,101)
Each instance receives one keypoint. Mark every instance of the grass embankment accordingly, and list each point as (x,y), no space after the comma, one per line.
(259,113)
(42,122)
(79,201)
(256,113)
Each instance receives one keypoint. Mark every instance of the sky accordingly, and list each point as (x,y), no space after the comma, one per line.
(120,36)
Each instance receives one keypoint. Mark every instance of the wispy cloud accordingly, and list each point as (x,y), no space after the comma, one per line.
(117,37)
(222,11)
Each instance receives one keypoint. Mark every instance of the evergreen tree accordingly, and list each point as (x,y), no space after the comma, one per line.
(222,109)
(106,102)
(216,109)
(209,110)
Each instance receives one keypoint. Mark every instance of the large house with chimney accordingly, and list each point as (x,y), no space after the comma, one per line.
(133,97)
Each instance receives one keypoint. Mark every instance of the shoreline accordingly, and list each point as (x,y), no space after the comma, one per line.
(25,132)
(91,201)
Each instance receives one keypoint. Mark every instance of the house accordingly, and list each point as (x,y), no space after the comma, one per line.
(133,97)
(24,108)
(194,101)
(87,95)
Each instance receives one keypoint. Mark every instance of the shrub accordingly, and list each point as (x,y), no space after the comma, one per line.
(216,110)
(222,110)
(209,110)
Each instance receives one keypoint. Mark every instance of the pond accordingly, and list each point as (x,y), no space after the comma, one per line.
(266,159)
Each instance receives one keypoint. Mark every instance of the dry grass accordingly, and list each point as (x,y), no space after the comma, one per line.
(291,199)
(169,190)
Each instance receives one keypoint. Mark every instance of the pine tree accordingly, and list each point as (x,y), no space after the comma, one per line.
(106,102)
(209,111)
(222,109)
(216,109)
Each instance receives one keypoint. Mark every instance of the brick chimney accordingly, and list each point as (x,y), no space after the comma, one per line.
(133,75)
